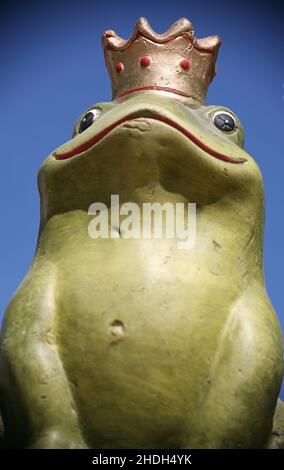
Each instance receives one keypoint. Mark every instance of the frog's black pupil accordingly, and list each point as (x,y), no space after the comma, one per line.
(224,122)
(86,121)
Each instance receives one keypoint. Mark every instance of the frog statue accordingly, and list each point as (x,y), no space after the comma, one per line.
(137,342)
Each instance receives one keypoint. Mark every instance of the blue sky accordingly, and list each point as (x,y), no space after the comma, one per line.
(52,69)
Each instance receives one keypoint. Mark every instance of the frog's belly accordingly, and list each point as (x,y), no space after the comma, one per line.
(137,340)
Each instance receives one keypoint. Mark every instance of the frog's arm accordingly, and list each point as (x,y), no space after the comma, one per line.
(276,440)
(34,383)
(239,398)
(1,432)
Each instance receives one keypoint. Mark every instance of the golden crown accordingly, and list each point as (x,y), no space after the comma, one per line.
(174,61)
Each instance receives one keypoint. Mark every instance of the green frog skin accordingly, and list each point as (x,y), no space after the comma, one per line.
(134,343)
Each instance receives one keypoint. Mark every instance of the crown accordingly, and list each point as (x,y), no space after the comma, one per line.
(174,61)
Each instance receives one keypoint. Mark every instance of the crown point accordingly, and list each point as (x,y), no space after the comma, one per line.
(145,60)
(184,63)
(119,67)
(109,34)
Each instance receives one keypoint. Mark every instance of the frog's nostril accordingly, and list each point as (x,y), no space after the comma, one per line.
(140,124)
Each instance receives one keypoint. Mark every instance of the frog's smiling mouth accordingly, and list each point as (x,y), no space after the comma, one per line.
(156,117)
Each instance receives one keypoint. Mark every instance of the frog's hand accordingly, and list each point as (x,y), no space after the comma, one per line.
(1,432)
(239,399)
(36,397)
(276,440)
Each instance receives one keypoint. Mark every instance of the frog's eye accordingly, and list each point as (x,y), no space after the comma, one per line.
(224,121)
(88,119)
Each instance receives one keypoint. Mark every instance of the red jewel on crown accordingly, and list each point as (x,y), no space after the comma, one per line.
(184,63)
(145,60)
(119,67)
